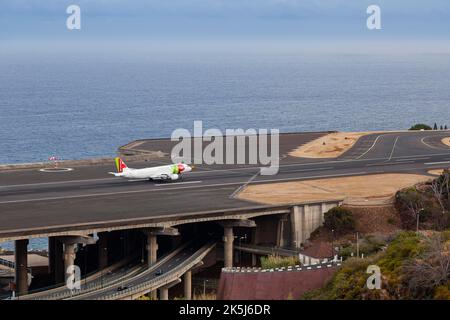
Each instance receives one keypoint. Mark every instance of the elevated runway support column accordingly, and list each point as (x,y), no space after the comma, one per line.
(164,291)
(51,253)
(297,226)
(152,243)
(102,250)
(228,238)
(188,285)
(56,260)
(152,249)
(70,245)
(254,259)
(152,246)
(152,255)
(21,264)
(69,257)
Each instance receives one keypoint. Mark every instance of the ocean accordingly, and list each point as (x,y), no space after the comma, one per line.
(82,106)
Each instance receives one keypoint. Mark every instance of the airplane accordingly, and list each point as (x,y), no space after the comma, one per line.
(164,173)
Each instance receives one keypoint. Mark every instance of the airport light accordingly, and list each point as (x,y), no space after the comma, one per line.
(418,217)
(204,287)
(357,245)
(332,242)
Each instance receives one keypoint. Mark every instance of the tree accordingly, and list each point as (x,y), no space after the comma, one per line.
(340,220)
(435,126)
(420,126)
(410,204)
(440,188)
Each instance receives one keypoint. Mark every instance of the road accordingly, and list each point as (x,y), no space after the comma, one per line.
(31,199)
(165,268)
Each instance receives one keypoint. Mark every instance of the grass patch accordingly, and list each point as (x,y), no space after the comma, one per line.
(275,261)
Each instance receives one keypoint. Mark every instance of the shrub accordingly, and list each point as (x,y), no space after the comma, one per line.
(391,220)
(368,245)
(442,292)
(349,282)
(420,126)
(340,220)
(274,261)
(430,201)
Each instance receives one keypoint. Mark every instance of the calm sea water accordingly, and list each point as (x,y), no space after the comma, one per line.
(86,106)
(81,107)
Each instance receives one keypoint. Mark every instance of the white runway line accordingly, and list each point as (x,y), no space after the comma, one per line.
(315,169)
(393,149)
(244,185)
(373,145)
(429,145)
(432,163)
(177,183)
(404,162)
(411,159)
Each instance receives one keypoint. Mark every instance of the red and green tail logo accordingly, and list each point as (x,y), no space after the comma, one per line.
(120,165)
(177,168)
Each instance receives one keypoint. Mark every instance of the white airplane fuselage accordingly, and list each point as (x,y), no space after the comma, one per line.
(146,173)
(167,172)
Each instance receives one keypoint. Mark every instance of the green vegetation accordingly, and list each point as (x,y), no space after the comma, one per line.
(275,261)
(412,267)
(368,245)
(340,220)
(420,126)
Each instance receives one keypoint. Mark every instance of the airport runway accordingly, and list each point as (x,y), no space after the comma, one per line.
(33,199)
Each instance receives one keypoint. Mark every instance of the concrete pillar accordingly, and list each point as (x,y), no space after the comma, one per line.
(188,285)
(254,261)
(51,252)
(152,249)
(55,259)
(323,208)
(282,230)
(21,264)
(152,256)
(297,226)
(164,293)
(69,257)
(306,223)
(102,250)
(228,239)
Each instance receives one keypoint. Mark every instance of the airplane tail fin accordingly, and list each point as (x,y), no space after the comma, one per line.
(120,165)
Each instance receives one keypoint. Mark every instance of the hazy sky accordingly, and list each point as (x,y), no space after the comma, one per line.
(231,22)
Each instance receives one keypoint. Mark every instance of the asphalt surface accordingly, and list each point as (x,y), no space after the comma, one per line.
(31,199)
